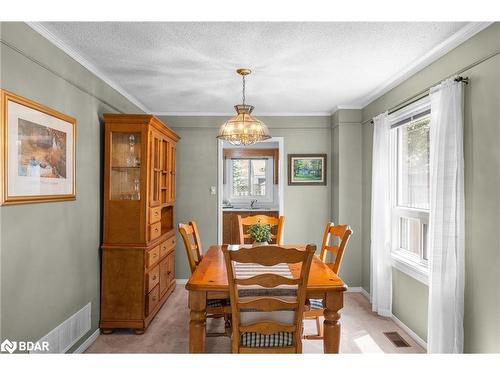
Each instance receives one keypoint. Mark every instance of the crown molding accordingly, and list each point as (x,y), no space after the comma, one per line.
(47,34)
(466,32)
(435,53)
(194,114)
(345,106)
(229,114)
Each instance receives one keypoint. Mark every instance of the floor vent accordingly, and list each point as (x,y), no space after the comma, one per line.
(66,334)
(397,340)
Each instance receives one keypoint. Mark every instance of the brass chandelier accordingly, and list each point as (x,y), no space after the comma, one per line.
(243,129)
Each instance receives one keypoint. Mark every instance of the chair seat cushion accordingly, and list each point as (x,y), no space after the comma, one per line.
(316,304)
(218,302)
(257,340)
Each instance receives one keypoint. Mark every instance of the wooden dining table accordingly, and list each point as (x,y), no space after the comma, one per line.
(209,281)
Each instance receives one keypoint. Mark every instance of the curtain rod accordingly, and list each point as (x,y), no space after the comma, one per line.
(420,95)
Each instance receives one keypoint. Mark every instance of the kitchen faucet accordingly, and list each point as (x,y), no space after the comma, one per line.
(252,203)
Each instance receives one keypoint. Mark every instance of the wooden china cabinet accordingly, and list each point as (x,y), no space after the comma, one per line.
(138,250)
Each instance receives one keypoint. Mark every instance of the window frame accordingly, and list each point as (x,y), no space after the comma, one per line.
(404,260)
(268,198)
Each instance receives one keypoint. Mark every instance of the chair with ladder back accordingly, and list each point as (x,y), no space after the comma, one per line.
(274,222)
(340,234)
(216,308)
(267,301)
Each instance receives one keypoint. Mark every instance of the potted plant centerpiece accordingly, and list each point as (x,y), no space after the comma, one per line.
(260,234)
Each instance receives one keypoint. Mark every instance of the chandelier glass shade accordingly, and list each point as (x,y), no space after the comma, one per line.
(243,129)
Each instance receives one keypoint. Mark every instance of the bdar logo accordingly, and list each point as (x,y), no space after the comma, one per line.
(8,346)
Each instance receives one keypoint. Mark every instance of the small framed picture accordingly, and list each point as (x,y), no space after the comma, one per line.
(38,148)
(307,169)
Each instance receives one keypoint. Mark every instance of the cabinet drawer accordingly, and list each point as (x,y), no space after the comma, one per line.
(154,215)
(152,278)
(167,246)
(154,231)
(152,256)
(152,300)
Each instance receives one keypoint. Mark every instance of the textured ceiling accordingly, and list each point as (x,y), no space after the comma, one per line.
(298,68)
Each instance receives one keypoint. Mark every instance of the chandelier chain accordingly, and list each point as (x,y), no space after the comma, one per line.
(243,90)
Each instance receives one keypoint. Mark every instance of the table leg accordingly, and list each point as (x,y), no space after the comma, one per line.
(334,302)
(197,321)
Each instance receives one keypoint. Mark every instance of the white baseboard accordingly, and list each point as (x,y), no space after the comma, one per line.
(399,323)
(90,340)
(181,281)
(354,289)
(359,289)
(409,332)
(366,294)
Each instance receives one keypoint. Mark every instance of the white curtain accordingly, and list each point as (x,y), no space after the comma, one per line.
(446,223)
(381,268)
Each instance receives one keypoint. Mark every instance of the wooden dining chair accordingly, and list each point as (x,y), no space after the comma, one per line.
(340,235)
(193,249)
(216,308)
(268,291)
(261,219)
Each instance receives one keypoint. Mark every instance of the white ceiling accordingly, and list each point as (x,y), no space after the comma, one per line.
(298,68)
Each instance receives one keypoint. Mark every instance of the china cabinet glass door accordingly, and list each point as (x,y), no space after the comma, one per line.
(126,166)
(155,197)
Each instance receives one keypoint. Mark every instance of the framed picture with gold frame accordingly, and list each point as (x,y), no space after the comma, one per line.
(37,145)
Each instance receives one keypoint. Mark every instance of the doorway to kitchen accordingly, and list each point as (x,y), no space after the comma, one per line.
(250,181)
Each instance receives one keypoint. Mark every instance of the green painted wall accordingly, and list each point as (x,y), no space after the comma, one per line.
(347,188)
(49,252)
(410,309)
(335,170)
(482,178)
(366,171)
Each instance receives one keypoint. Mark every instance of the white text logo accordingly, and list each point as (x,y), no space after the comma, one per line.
(23,346)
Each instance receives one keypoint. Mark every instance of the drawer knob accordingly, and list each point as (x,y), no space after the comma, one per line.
(156,213)
(168,273)
(156,229)
(154,277)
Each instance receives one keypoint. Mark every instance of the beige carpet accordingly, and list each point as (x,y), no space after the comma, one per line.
(362,332)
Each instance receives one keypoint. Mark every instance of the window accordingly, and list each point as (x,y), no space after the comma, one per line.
(410,194)
(413,164)
(251,178)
